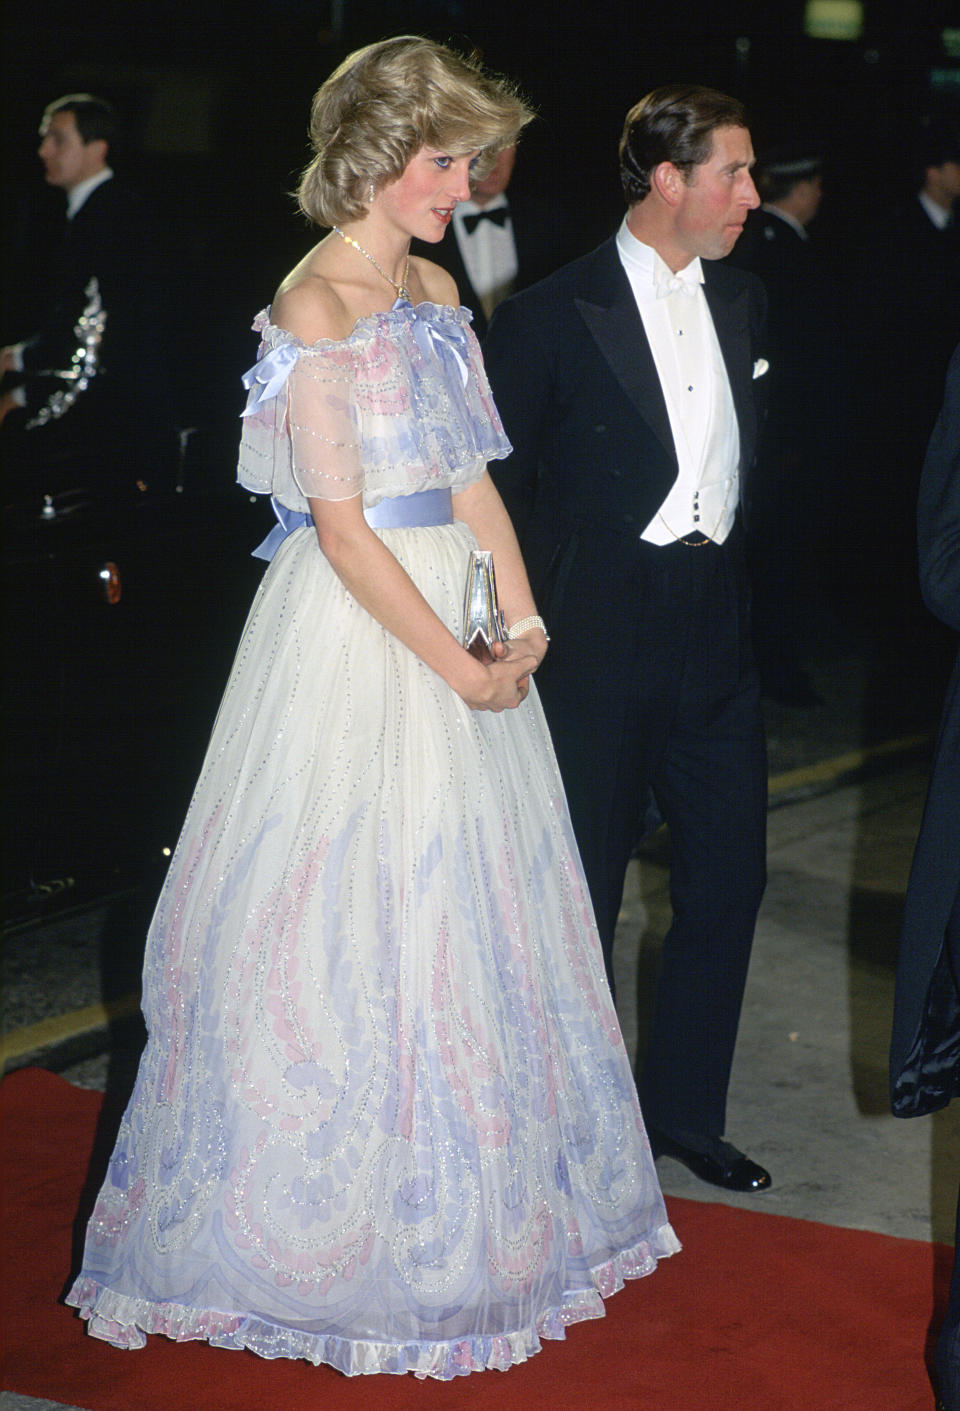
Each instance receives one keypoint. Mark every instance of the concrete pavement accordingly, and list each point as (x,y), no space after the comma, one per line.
(808,1096)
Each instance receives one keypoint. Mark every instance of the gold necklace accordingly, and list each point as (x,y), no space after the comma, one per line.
(401,288)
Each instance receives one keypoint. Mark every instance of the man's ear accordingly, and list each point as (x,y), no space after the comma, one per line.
(98,147)
(667,180)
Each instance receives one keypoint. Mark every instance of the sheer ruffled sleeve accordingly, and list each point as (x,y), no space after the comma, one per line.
(324,425)
(401,405)
(301,434)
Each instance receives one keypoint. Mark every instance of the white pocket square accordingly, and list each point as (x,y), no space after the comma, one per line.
(760,367)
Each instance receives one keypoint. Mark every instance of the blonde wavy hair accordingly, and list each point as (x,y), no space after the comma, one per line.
(384,103)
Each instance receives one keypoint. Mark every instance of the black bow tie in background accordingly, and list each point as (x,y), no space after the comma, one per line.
(500,215)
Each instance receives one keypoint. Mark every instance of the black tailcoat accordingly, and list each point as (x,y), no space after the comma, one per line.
(578,390)
(649,681)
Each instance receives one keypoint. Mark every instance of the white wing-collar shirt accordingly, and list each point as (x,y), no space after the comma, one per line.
(676,319)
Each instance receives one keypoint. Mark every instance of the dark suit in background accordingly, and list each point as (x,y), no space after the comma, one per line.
(925,1047)
(102,316)
(905,323)
(516,191)
(914,324)
(792,538)
(533,222)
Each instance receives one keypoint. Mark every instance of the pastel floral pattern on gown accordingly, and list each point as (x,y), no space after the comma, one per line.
(384,1119)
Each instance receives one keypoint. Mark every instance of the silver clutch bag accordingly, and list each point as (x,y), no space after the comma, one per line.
(482,619)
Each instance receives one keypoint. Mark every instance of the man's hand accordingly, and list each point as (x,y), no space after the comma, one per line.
(8,403)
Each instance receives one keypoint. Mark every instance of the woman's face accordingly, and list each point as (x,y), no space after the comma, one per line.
(422,200)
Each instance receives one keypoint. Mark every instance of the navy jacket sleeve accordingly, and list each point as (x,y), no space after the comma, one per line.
(938,508)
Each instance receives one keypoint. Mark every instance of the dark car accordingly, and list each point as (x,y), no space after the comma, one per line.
(121,618)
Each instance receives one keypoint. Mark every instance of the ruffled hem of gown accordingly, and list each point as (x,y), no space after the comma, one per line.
(125,1321)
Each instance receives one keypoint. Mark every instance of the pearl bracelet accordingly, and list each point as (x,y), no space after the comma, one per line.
(524,624)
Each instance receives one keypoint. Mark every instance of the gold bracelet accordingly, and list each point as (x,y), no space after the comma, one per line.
(524,624)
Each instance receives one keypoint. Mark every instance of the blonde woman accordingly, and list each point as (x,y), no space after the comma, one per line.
(384,1119)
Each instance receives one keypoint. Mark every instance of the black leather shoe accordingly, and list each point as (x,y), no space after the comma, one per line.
(729,1168)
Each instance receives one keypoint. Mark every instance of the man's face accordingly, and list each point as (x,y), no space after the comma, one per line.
(713,204)
(945,181)
(808,194)
(497,179)
(67,159)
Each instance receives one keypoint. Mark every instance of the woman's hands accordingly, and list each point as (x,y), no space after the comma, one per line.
(503,682)
(533,640)
(371,574)
(481,508)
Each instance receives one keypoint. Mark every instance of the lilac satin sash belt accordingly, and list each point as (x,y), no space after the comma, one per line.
(417,511)
(411,511)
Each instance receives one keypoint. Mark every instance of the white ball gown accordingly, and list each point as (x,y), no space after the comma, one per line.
(384,1118)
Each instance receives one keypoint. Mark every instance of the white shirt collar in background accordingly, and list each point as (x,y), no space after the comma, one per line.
(788,219)
(79,193)
(937,214)
(489,253)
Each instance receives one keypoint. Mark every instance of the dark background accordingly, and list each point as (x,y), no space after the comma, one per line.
(215,100)
(215,97)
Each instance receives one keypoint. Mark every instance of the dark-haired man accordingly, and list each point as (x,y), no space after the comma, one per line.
(86,387)
(625,382)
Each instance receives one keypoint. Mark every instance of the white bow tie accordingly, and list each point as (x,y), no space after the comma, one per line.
(675,284)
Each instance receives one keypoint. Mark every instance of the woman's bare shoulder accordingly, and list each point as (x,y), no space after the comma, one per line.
(309,306)
(436,285)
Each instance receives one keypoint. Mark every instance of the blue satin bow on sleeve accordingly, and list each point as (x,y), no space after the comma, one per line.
(446,342)
(268,375)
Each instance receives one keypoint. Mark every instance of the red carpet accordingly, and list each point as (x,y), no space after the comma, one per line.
(759,1312)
